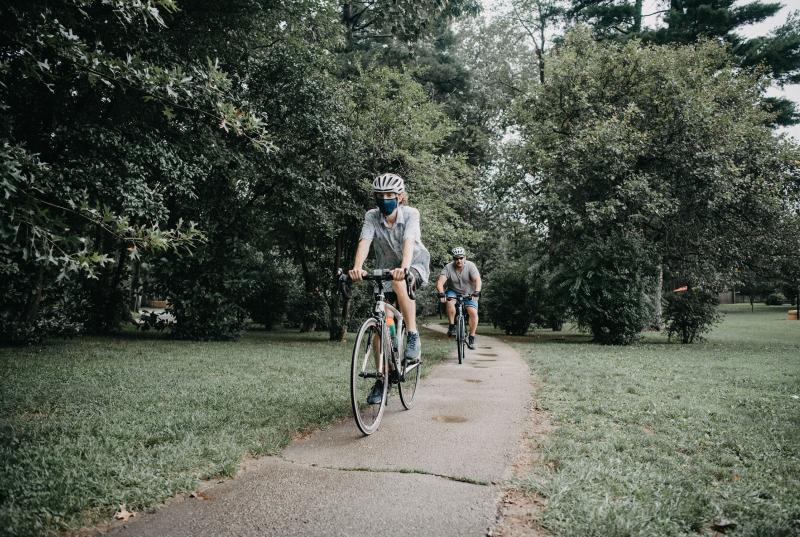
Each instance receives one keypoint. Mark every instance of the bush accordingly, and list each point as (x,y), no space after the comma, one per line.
(208,290)
(60,312)
(509,300)
(207,315)
(775,299)
(307,311)
(607,281)
(691,313)
(268,302)
(550,305)
(145,320)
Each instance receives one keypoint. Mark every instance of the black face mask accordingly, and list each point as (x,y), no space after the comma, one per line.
(387,206)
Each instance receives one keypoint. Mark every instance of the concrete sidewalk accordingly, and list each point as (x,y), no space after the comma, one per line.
(433,470)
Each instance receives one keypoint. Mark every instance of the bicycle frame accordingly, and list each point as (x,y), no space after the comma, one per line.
(380,314)
(379,347)
(461,320)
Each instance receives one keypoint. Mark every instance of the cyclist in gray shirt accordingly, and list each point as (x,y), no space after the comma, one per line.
(461,278)
(393,228)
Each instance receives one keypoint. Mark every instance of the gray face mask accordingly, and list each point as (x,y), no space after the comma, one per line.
(387,206)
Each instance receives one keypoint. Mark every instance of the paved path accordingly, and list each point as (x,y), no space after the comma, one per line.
(433,470)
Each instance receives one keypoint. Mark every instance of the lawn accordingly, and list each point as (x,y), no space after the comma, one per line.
(666,439)
(90,423)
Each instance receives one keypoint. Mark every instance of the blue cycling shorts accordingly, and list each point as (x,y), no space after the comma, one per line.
(471,302)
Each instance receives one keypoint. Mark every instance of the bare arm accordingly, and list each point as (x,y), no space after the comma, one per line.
(361,255)
(440,283)
(408,256)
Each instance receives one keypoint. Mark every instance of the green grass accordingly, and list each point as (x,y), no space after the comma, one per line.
(667,439)
(91,423)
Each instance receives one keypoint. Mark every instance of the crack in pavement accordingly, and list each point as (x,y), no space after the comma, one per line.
(457,479)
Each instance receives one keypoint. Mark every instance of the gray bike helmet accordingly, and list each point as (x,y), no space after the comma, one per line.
(458,251)
(389,182)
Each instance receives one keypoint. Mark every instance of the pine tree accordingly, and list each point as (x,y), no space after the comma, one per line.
(688,21)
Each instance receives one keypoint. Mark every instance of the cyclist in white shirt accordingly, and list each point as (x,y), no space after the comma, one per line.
(393,228)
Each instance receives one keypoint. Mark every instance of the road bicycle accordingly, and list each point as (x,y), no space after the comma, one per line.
(462,321)
(378,355)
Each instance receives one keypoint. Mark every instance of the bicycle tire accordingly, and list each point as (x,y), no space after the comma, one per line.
(363,369)
(460,339)
(409,387)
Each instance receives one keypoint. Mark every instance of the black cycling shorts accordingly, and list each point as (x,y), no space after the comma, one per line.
(391,296)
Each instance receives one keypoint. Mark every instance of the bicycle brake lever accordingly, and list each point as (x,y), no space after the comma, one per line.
(412,294)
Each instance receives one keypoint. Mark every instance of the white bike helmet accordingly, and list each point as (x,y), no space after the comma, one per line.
(389,182)
(458,251)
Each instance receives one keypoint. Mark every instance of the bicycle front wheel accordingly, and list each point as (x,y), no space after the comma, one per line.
(368,367)
(411,375)
(461,340)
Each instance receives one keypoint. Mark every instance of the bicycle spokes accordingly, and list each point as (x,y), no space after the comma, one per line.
(368,382)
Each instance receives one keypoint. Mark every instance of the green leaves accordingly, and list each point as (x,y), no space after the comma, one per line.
(641,155)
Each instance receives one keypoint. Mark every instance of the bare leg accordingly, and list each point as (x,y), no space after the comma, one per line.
(376,352)
(408,307)
(451,311)
(473,320)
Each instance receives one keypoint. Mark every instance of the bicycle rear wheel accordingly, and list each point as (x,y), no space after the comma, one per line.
(411,375)
(365,371)
(461,340)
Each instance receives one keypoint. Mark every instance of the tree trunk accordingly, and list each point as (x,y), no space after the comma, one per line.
(35,299)
(676,5)
(346,243)
(119,270)
(658,314)
(540,59)
(134,296)
(308,324)
(337,327)
(637,17)
(347,20)
(540,48)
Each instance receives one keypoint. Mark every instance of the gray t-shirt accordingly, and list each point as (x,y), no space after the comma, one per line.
(462,282)
(387,242)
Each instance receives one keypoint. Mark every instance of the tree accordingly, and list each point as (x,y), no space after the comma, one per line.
(87,105)
(537,18)
(403,20)
(650,155)
(691,313)
(609,18)
(689,21)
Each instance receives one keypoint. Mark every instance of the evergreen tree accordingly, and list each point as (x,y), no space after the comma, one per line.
(687,21)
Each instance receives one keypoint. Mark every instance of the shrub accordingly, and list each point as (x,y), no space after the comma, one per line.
(60,312)
(208,291)
(268,302)
(207,314)
(306,310)
(509,299)
(550,304)
(775,299)
(606,281)
(157,321)
(691,313)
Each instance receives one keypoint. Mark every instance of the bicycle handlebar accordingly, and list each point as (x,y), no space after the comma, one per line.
(379,275)
(460,297)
